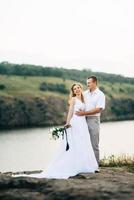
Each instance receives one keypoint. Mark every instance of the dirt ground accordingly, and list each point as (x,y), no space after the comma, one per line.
(111,183)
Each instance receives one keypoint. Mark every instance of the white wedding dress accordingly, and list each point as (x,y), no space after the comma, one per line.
(80,157)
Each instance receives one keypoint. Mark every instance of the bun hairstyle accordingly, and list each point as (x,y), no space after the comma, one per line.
(72,92)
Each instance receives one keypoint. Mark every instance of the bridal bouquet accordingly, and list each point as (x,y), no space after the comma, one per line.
(58,132)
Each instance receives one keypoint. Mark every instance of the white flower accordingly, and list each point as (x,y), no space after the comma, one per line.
(58,132)
(52,129)
(50,137)
(55,137)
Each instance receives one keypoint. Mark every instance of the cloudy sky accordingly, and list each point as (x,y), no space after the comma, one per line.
(95,34)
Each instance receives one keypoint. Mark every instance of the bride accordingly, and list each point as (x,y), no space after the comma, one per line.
(80,157)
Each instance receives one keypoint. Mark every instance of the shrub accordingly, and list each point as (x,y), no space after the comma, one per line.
(2,86)
(53,87)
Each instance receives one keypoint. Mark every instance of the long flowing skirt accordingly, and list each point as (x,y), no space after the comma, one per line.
(79,158)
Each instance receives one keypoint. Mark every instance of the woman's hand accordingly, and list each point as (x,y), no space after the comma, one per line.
(67,125)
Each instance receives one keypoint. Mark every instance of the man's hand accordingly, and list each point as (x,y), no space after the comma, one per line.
(80,113)
(86,113)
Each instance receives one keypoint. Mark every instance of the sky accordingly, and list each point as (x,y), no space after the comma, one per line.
(81,34)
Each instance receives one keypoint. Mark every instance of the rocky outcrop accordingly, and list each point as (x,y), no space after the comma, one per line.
(110,183)
(28,111)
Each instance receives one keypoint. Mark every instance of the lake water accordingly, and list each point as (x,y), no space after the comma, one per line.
(32,149)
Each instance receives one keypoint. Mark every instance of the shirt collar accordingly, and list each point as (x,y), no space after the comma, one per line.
(94,92)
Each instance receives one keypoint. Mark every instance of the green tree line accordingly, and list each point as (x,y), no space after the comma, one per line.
(73,74)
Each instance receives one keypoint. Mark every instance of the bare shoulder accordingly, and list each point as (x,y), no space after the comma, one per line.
(72,101)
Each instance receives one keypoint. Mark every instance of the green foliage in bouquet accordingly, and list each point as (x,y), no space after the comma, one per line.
(58,131)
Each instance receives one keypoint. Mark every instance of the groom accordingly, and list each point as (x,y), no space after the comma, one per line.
(95,103)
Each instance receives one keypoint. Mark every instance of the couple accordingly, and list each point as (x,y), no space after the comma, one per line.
(83,135)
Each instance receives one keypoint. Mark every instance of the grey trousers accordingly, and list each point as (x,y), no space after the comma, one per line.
(93,123)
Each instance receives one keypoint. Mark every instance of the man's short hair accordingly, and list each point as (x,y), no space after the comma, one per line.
(94,78)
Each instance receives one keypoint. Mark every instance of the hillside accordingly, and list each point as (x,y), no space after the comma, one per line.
(27,99)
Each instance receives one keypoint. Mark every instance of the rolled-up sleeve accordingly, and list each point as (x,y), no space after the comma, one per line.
(101,102)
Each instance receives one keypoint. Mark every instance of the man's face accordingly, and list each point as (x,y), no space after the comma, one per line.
(91,84)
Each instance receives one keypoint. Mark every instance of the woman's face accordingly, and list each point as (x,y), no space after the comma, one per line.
(77,89)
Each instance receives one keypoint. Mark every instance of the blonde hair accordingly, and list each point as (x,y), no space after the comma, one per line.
(72,92)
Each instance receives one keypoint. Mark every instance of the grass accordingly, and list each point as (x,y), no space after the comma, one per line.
(118,90)
(24,85)
(118,161)
(29,85)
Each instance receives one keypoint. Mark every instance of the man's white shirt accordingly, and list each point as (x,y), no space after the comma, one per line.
(95,99)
